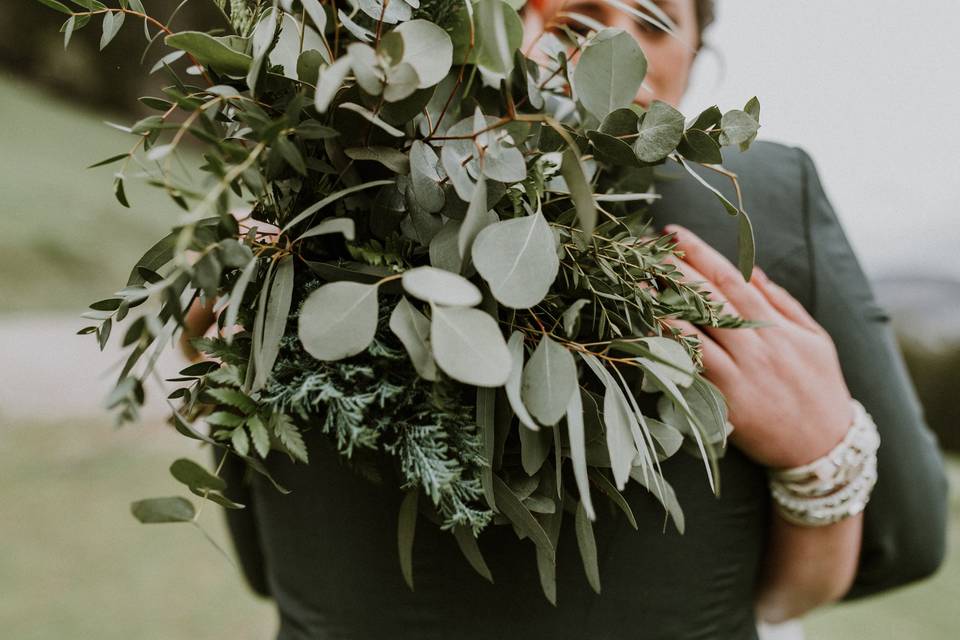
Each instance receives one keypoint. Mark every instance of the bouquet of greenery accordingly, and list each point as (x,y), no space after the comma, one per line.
(428,246)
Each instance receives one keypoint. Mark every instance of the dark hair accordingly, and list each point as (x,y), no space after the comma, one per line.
(705,16)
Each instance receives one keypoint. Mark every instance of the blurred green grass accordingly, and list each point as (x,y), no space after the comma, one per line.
(76,565)
(64,240)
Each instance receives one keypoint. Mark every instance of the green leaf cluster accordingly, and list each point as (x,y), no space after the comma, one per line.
(427,249)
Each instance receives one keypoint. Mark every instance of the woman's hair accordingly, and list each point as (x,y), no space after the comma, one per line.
(705,16)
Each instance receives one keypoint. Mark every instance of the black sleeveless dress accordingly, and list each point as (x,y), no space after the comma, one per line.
(327,552)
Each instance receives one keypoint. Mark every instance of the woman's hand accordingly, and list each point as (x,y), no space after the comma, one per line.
(786,396)
(789,404)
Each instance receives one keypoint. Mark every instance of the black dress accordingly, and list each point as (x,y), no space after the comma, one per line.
(327,552)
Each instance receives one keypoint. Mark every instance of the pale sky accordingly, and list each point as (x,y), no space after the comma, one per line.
(871,89)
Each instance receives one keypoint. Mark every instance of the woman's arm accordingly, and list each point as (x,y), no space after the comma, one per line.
(196,322)
(805,567)
(905,522)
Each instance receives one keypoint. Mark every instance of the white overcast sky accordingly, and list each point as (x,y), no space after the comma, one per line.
(871,88)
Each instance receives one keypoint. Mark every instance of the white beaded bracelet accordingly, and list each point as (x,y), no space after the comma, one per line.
(835,486)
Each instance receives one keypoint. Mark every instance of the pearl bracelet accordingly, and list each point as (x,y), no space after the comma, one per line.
(835,486)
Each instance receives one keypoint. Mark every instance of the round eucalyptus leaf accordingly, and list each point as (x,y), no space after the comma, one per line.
(441,287)
(700,146)
(428,49)
(502,161)
(499,159)
(459,155)
(497,32)
(413,329)
(401,82)
(366,67)
(292,43)
(609,72)
(195,476)
(549,379)
(620,122)
(613,150)
(660,132)
(388,12)
(338,320)
(160,510)
(737,127)
(518,259)
(329,82)
(468,346)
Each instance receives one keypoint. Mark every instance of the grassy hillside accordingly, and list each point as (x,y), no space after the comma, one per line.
(64,239)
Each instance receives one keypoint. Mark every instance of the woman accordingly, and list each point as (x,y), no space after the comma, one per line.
(788,388)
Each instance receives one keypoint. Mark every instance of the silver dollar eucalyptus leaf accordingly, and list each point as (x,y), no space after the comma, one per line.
(390,12)
(609,72)
(518,259)
(428,49)
(468,346)
(441,287)
(338,320)
(660,132)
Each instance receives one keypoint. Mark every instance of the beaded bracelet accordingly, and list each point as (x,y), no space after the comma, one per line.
(835,486)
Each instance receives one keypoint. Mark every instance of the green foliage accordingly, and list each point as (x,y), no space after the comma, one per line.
(419,151)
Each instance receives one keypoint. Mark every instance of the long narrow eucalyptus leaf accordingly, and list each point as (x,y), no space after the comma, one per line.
(706,448)
(729,206)
(604,484)
(666,496)
(578,450)
(588,547)
(509,504)
(333,197)
(486,420)
(471,551)
(551,522)
(236,296)
(746,246)
(256,343)
(275,322)
(582,195)
(406,527)
(161,253)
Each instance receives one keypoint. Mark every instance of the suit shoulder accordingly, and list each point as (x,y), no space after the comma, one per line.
(769,160)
